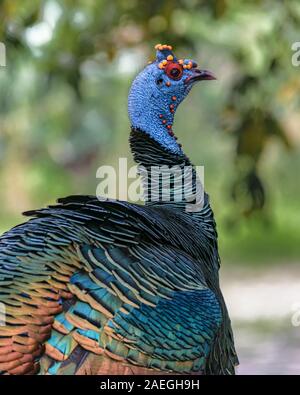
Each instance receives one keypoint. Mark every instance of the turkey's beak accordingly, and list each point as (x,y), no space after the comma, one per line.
(200,75)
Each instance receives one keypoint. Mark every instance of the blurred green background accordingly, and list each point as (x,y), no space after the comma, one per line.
(63,113)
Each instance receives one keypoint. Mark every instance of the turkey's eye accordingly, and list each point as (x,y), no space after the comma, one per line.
(174,71)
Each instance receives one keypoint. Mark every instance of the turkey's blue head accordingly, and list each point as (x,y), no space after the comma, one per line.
(158,90)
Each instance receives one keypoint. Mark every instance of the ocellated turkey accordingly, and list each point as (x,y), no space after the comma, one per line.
(97,287)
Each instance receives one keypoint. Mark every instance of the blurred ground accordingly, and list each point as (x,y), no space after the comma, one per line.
(263,304)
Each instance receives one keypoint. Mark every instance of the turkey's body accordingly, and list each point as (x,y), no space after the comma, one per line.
(114,287)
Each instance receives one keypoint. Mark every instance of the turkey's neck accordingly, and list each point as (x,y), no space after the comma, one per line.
(167,178)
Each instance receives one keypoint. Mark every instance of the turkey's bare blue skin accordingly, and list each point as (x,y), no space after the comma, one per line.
(150,97)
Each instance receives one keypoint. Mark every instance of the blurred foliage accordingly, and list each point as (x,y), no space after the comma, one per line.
(63,104)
